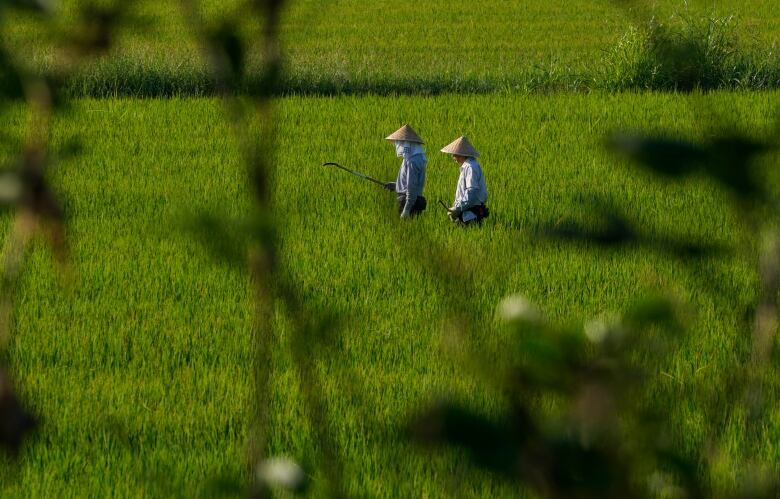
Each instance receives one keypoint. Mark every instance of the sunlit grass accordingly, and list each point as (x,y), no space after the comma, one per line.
(140,368)
(386,47)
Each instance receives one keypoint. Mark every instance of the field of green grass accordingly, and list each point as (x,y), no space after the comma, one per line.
(140,365)
(139,362)
(439,46)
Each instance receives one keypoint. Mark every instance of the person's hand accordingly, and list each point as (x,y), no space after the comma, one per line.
(390,186)
(455,213)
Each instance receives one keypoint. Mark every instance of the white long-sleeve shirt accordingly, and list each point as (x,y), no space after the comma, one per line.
(411,179)
(471,189)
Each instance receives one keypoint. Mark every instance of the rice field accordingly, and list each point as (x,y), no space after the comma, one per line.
(139,360)
(139,365)
(438,47)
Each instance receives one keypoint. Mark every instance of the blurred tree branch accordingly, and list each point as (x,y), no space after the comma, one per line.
(25,187)
(226,53)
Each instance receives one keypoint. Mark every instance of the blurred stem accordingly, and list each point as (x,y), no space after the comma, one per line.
(268,279)
(41,103)
(262,333)
(766,316)
(12,257)
(307,338)
(765,328)
(27,219)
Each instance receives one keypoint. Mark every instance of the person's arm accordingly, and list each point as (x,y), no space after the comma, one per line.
(456,209)
(413,189)
(471,190)
(474,188)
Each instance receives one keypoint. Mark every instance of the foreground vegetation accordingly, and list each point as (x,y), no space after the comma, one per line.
(432,48)
(139,363)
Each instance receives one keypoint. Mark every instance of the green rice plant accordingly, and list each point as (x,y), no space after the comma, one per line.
(140,371)
(338,48)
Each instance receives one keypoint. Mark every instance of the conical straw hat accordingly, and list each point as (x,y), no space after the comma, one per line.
(462,147)
(407,134)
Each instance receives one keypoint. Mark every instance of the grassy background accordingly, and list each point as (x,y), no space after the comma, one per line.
(435,47)
(140,367)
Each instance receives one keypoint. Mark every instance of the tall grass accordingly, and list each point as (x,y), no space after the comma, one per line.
(140,374)
(688,52)
(337,49)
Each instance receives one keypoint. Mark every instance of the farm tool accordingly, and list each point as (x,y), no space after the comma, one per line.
(356,173)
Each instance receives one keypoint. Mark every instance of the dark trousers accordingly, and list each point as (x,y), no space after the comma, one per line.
(481,211)
(419,205)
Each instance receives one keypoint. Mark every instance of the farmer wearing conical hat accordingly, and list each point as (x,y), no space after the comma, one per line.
(471,193)
(410,181)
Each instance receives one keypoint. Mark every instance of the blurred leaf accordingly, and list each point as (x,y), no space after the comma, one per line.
(225,486)
(321,329)
(730,163)
(37,195)
(39,6)
(97,23)
(728,159)
(655,311)
(615,232)
(686,249)
(11,82)
(226,240)
(53,84)
(229,47)
(556,466)
(490,445)
(586,471)
(549,360)
(759,487)
(268,8)
(15,422)
(259,178)
(610,228)
(684,469)
(261,228)
(13,140)
(266,83)
(613,229)
(71,148)
(669,157)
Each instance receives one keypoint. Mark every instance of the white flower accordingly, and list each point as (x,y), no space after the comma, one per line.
(598,329)
(10,189)
(281,472)
(517,308)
